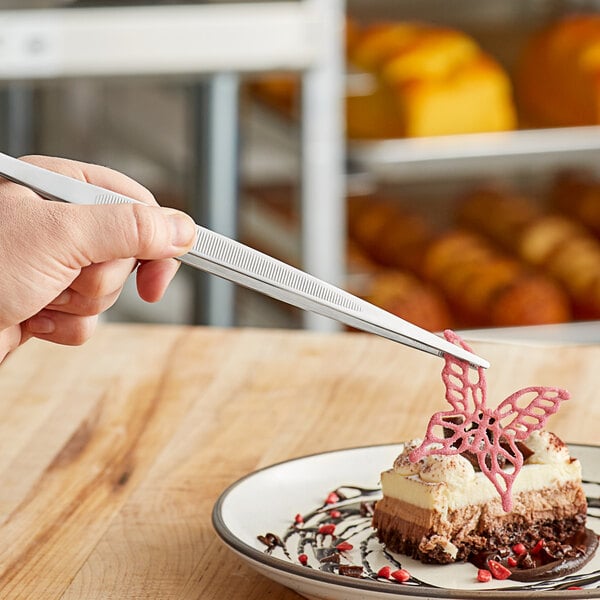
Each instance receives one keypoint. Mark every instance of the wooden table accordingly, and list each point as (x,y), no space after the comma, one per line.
(113,454)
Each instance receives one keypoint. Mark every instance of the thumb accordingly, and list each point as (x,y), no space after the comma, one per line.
(108,232)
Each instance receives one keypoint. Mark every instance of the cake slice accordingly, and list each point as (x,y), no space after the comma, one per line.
(488,485)
(443,509)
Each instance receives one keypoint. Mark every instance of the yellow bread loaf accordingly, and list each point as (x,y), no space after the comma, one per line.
(371,47)
(433,53)
(472,99)
(428,81)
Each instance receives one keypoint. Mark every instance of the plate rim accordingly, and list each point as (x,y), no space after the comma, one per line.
(246,551)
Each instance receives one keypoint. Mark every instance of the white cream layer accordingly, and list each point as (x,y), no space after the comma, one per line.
(451,482)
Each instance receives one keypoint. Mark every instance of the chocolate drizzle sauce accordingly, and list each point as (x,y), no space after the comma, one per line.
(351,517)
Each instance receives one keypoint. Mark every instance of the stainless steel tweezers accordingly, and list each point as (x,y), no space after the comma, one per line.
(231,260)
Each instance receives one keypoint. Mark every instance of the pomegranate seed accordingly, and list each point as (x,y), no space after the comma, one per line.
(401,575)
(484,575)
(384,572)
(344,546)
(498,570)
(332,498)
(538,547)
(327,529)
(303,559)
(298,519)
(335,514)
(511,561)
(519,549)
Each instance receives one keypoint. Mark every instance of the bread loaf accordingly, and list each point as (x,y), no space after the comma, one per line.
(558,76)
(578,196)
(389,234)
(486,287)
(428,81)
(555,244)
(406,296)
(482,285)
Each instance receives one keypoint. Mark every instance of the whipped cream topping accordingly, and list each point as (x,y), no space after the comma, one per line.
(403,465)
(443,482)
(453,470)
(547,449)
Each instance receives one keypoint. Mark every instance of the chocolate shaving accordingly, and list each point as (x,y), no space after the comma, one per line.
(525,450)
(367,509)
(350,570)
(525,561)
(270,540)
(334,557)
(472,458)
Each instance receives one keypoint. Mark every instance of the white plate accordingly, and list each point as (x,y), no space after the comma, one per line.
(268,500)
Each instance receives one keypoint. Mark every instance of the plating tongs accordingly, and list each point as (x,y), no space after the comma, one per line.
(231,260)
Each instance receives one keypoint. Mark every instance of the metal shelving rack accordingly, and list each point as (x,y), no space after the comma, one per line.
(215,42)
(470,154)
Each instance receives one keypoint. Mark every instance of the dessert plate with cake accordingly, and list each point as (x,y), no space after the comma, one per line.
(486,504)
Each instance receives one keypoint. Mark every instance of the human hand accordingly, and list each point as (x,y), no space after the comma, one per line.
(61,265)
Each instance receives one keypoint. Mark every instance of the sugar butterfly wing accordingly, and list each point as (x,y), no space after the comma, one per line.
(527,410)
(492,458)
(465,395)
(447,429)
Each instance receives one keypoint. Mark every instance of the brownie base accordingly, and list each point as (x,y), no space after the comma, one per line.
(433,549)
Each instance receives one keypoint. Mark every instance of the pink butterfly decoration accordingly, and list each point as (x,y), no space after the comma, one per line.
(491,435)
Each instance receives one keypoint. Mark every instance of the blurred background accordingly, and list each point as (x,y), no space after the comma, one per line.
(441,160)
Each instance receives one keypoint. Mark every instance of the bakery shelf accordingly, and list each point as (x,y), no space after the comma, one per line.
(472,154)
(156,40)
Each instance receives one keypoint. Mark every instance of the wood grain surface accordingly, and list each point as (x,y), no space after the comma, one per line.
(112,454)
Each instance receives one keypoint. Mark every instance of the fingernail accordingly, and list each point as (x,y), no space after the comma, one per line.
(182,230)
(62,299)
(40,324)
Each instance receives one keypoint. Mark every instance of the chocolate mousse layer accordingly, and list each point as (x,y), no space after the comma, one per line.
(552,514)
